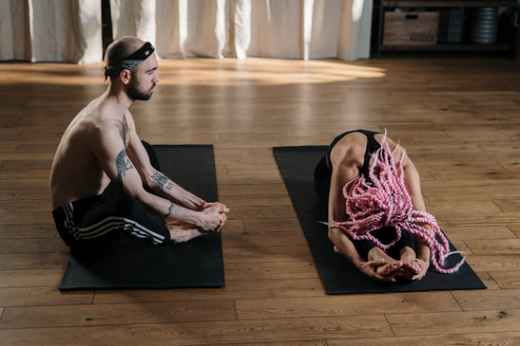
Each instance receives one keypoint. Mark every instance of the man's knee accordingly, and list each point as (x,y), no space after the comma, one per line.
(154,160)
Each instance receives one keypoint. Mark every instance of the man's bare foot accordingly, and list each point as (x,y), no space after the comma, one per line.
(181,233)
(389,265)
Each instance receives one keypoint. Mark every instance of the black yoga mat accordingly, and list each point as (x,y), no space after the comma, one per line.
(136,264)
(338,275)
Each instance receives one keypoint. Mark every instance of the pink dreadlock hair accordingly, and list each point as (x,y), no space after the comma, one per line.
(382,200)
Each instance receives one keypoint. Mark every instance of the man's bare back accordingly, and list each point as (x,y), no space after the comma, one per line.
(76,172)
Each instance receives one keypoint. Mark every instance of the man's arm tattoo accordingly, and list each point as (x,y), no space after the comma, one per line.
(123,164)
(173,212)
(161,181)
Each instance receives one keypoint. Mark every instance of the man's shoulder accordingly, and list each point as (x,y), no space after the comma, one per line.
(102,128)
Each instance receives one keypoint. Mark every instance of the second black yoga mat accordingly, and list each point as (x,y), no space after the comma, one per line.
(134,264)
(338,275)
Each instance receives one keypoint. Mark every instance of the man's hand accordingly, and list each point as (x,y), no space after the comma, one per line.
(370,269)
(212,219)
(222,209)
(220,206)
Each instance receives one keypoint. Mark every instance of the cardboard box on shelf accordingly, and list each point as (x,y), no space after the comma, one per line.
(410,28)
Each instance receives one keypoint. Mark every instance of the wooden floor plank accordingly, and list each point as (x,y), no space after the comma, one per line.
(494,246)
(26,184)
(492,338)
(478,232)
(234,289)
(295,268)
(508,205)
(261,239)
(345,305)
(24,194)
(507,279)
(271,212)
(114,314)
(27,231)
(486,190)
(488,300)
(39,296)
(438,208)
(227,332)
(255,189)
(285,343)
(25,174)
(26,165)
(30,205)
(252,169)
(515,229)
(248,179)
(274,225)
(483,321)
(31,278)
(255,200)
(26,217)
(488,280)
(267,254)
(494,262)
(33,261)
(35,245)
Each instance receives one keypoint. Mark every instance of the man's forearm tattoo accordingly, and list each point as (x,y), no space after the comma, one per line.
(123,164)
(161,181)
(173,212)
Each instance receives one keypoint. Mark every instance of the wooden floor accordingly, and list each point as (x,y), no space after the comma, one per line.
(459,118)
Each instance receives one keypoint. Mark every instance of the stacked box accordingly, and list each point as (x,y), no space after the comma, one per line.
(410,28)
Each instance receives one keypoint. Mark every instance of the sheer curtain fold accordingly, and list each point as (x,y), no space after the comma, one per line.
(70,31)
(48,30)
(290,29)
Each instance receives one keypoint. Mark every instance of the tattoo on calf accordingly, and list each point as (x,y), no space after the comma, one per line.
(161,181)
(123,164)
(173,212)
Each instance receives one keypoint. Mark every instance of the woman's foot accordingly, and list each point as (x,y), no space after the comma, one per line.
(389,266)
(413,268)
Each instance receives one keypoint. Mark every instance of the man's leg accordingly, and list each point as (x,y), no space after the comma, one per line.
(179,232)
(91,222)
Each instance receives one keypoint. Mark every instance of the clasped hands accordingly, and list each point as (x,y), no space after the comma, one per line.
(215,216)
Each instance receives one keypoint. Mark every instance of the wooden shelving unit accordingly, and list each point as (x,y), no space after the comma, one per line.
(420,3)
(385,4)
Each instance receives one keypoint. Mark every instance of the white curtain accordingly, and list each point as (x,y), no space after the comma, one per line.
(292,29)
(70,30)
(51,30)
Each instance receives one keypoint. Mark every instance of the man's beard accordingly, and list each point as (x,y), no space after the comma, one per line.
(136,93)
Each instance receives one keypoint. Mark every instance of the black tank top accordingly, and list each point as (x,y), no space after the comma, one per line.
(372,147)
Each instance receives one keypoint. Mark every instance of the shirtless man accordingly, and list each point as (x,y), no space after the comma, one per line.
(348,156)
(105,181)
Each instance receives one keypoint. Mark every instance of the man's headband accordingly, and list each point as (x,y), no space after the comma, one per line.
(130,62)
